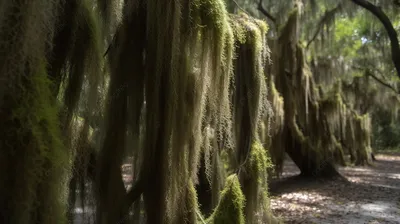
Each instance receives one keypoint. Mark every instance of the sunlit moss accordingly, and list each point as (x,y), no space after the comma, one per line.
(231,204)
(257,208)
(187,77)
(259,162)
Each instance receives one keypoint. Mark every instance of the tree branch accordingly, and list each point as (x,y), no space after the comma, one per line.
(135,192)
(369,73)
(265,12)
(394,41)
(325,18)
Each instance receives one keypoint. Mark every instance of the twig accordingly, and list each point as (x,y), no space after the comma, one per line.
(369,73)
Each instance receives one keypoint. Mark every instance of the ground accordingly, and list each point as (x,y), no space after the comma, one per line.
(367,195)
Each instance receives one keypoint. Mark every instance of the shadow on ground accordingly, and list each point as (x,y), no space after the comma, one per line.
(366,195)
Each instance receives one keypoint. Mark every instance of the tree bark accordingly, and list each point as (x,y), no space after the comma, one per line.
(394,41)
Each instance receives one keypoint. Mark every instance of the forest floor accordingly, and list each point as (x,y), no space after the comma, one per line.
(369,195)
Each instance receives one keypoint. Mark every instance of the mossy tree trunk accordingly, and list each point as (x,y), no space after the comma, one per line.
(307,135)
(308,161)
(33,160)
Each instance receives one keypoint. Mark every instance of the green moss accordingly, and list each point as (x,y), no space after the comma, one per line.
(45,158)
(231,204)
(258,162)
(249,30)
(189,208)
(188,74)
(238,30)
(213,13)
(257,208)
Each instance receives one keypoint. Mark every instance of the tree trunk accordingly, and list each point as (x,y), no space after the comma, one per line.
(308,161)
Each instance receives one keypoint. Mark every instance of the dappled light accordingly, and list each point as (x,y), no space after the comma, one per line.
(367,195)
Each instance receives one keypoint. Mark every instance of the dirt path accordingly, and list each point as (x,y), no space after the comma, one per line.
(370,195)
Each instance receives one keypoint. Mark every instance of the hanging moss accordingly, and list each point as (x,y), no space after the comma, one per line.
(111,13)
(77,59)
(190,208)
(218,178)
(33,159)
(177,92)
(81,177)
(250,96)
(85,59)
(41,161)
(311,131)
(274,122)
(230,207)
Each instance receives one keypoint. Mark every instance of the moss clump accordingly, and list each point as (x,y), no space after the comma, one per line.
(231,204)
(256,188)
(259,162)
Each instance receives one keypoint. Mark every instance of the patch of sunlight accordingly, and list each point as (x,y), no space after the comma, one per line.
(80,210)
(394,176)
(374,207)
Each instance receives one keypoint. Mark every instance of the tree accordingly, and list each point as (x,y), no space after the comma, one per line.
(328,71)
(394,41)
